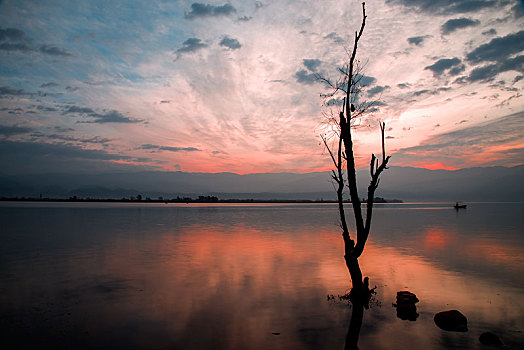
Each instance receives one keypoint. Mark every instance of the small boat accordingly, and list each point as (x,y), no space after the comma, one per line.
(459,206)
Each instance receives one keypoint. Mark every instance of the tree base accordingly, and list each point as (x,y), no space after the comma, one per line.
(361,294)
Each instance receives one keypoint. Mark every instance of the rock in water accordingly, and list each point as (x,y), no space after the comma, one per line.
(451,320)
(406,298)
(489,338)
(406,308)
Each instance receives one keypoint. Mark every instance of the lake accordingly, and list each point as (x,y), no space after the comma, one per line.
(234,276)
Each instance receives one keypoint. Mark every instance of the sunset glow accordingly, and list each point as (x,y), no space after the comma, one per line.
(230,86)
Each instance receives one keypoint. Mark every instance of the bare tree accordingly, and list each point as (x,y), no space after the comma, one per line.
(343,155)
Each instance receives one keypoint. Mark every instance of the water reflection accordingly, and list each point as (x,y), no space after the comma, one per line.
(229,278)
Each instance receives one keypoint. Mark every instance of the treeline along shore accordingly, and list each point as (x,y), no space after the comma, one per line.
(199,199)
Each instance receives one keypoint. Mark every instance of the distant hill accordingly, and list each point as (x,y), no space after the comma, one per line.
(408,184)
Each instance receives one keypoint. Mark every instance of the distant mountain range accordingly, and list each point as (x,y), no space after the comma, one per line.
(408,184)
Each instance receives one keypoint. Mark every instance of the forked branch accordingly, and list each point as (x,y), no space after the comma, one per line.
(375,170)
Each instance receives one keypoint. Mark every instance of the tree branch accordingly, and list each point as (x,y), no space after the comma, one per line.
(339,179)
(373,185)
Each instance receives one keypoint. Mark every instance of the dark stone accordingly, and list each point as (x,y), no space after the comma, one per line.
(489,338)
(451,320)
(405,298)
(406,308)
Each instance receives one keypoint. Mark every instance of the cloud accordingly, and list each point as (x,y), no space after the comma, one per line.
(61,129)
(76,109)
(308,76)
(15,111)
(231,43)
(376,90)
(453,65)
(53,51)
(417,40)
(335,38)
(518,9)
(22,47)
(489,72)
(492,31)
(168,148)
(13,130)
(458,23)
(360,80)
(498,142)
(45,108)
(112,116)
(50,84)
(335,102)
(191,45)
(136,71)
(443,7)
(421,92)
(312,64)
(16,40)
(13,39)
(43,149)
(206,10)
(13,34)
(372,106)
(498,54)
(304,77)
(364,80)
(498,48)
(41,157)
(431,92)
(91,140)
(7,91)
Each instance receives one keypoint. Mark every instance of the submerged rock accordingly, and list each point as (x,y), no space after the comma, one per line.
(406,308)
(488,338)
(451,320)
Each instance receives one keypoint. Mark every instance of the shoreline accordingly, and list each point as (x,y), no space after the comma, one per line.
(182,200)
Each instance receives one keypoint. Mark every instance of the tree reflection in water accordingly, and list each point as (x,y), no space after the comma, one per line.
(359,299)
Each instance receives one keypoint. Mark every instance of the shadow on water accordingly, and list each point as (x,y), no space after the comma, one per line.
(359,297)
(355,324)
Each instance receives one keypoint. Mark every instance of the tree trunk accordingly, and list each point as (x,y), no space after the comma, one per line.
(354,272)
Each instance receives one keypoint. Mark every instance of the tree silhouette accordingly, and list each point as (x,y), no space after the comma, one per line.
(349,86)
(344,155)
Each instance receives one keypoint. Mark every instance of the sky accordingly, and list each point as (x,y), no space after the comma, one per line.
(215,86)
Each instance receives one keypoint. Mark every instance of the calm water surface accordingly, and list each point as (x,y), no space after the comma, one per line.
(229,276)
